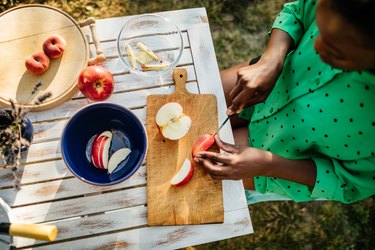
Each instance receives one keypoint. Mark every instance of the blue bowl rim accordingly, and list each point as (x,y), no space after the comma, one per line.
(104,104)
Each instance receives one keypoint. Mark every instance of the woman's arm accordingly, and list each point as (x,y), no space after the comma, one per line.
(255,82)
(247,162)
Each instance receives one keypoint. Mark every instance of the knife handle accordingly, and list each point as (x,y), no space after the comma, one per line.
(34,231)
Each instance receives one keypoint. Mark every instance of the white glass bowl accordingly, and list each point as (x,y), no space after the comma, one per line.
(158,34)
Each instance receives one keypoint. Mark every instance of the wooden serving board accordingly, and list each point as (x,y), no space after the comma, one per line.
(199,201)
(23,31)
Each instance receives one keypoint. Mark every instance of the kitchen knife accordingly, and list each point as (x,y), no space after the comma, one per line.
(222,125)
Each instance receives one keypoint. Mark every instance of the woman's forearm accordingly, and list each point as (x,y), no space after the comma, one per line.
(278,46)
(300,171)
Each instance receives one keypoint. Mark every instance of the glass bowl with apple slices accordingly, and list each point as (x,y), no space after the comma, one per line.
(150,45)
(104,144)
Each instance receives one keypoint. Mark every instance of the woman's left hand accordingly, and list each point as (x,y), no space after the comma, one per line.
(241,162)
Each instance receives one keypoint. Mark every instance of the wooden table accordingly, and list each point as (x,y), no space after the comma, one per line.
(115,217)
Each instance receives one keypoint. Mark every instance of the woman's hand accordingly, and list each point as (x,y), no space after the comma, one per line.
(245,162)
(241,162)
(254,84)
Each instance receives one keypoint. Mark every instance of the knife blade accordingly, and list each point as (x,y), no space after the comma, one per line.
(222,125)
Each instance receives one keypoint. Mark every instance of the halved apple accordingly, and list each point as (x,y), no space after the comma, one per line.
(117,157)
(184,175)
(172,122)
(203,143)
(100,149)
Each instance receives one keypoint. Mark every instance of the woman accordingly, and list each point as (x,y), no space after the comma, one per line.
(310,100)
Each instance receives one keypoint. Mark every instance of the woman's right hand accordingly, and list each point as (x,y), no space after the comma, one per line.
(255,82)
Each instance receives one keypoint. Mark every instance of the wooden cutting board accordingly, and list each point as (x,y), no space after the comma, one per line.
(199,201)
(23,31)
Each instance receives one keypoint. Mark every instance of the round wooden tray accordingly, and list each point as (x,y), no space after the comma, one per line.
(23,31)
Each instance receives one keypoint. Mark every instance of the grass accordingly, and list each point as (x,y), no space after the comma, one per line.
(239,30)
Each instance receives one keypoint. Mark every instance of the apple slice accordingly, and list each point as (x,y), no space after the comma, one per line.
(131,57)
(172,122)
(142,57)
(117,157)
(203,143)
(147,50)
(100,150)
(184,175)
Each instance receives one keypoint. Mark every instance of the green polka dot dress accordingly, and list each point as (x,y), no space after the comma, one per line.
(317,112)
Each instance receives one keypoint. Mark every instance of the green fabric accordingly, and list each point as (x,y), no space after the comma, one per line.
(318,112)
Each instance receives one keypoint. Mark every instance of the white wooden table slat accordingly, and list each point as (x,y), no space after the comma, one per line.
(127,99)
(70,208)
(116,66)
(209,81)
(118,220)
(65,188)
(108,29)
(166,237)
(110,48)
(92,217)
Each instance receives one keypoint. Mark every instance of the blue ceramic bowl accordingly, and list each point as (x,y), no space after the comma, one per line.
(92,120)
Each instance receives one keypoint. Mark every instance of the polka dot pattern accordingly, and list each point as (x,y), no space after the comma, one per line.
(318,112)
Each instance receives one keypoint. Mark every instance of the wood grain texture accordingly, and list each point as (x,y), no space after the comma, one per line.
(199,201)
(23,31)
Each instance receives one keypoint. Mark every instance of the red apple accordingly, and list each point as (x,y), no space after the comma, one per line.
(184,175)
(203,143)
(54,46)
(37,63)
(96,83)
(100,150)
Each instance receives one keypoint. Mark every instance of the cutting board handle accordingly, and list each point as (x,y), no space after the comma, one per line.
(179,77)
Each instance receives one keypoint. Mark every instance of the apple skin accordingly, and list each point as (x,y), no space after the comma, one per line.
(187,177)
(97,151)
(54,46)
(96,83)
(203,143)
(37,63)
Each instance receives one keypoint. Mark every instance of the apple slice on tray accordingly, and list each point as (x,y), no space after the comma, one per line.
(184,175)
(172,122)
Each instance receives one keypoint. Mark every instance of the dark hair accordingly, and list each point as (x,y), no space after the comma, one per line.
(360,13)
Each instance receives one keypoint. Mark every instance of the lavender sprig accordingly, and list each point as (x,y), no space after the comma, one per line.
(11,140)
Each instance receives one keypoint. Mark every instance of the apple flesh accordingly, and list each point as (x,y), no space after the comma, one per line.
(184,175)
(100,150)
(37,63)
(203,143)
(172,122)
(96,83)
(54,46)
(117,157)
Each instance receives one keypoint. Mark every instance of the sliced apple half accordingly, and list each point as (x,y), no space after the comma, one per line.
(172,122)
(117,157)
(184,175)
(100,149)
(203,143)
